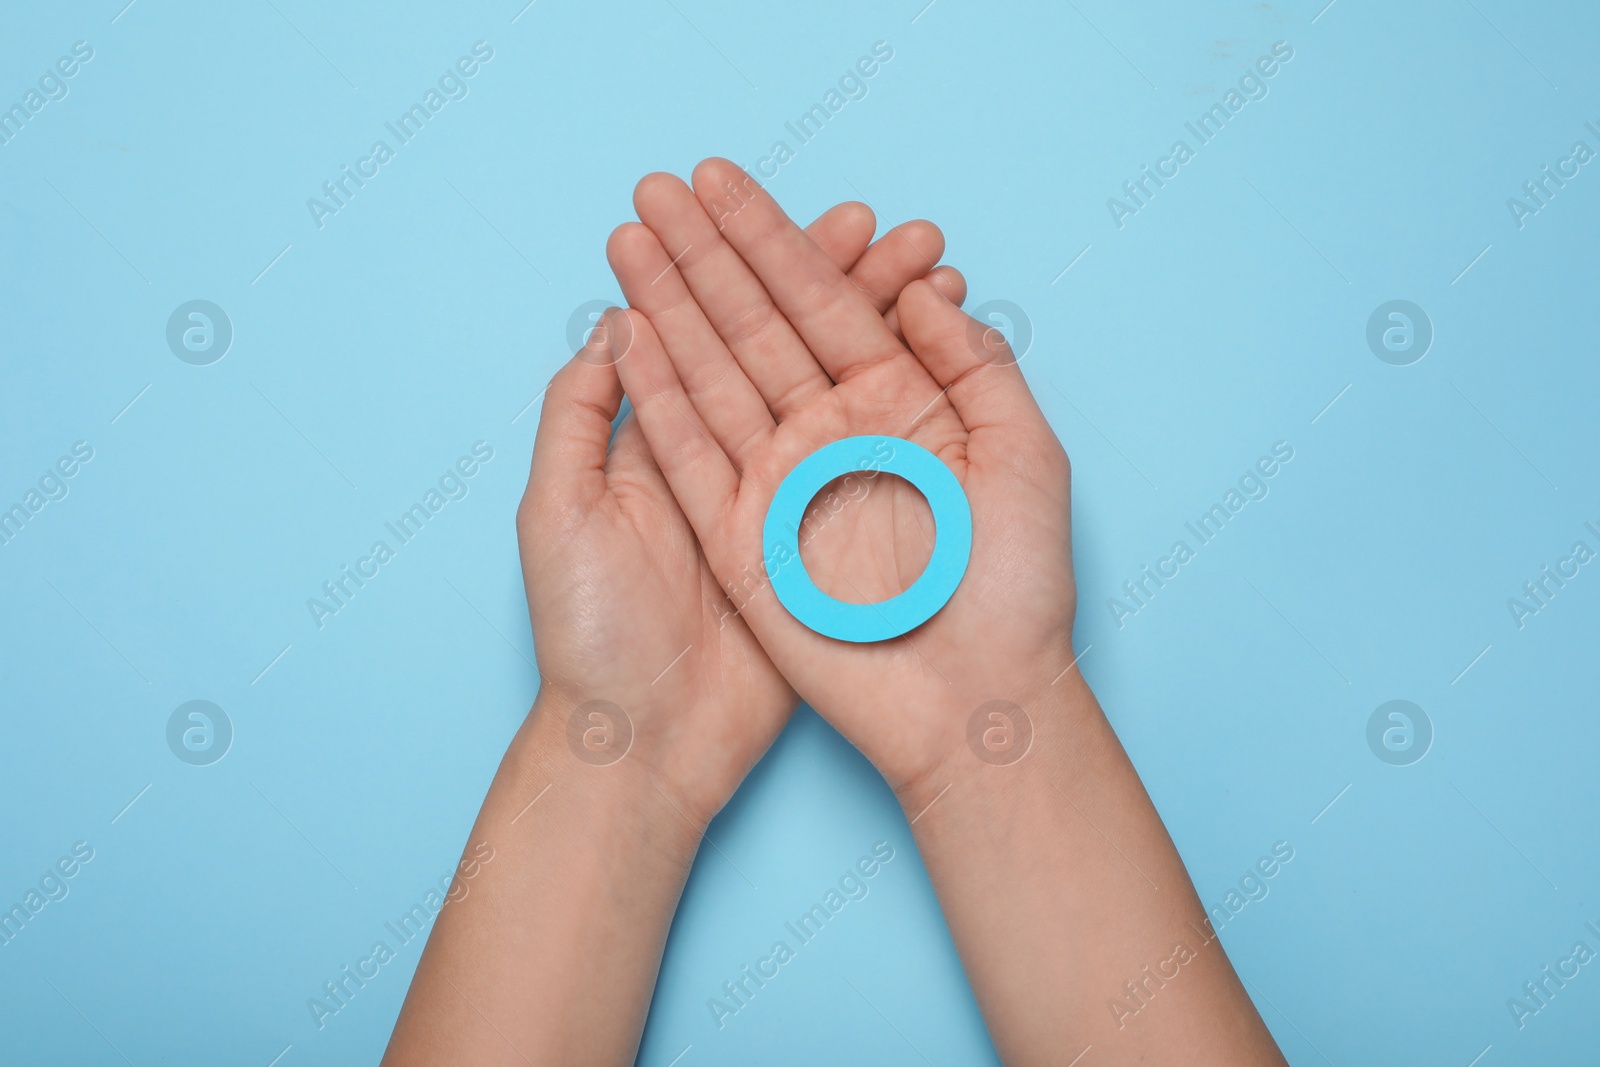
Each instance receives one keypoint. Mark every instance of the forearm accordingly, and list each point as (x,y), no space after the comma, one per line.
(1066,898)
(551,955)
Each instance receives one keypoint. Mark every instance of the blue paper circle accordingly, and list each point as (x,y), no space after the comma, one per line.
(952,519)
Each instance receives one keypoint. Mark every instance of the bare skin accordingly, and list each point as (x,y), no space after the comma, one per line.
(1061,887)
(548,949)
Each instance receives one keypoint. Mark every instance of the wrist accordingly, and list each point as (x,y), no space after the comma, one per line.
(580,757)
(1008,749)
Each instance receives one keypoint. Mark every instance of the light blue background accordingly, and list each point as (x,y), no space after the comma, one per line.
(1223,317)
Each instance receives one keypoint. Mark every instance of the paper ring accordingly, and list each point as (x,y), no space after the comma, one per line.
(903,612)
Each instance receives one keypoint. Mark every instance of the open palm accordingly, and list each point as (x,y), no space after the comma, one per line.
(731,402)
(623,604)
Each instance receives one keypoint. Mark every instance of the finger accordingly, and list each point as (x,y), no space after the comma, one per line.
(844,232)
(736,304)
(701,477)
(837,322)
(969,359)
(951,285)
(901,256)
(889,264)
(950,282)
(734,411)
(567,474)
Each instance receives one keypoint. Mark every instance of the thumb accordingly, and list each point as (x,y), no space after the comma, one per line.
(567,475)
